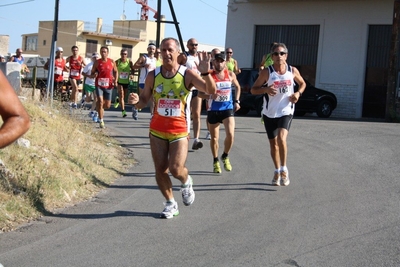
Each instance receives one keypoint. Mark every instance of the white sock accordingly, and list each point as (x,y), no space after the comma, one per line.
(283,169)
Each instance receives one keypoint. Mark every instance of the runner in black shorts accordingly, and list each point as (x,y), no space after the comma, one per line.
(272,125)
(278,106)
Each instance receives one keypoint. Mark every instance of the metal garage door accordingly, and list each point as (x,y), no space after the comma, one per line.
(376,74)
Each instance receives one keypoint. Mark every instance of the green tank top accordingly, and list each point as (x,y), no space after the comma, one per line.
(230,64)
(124,69)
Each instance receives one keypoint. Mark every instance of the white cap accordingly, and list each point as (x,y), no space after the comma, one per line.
(59,49)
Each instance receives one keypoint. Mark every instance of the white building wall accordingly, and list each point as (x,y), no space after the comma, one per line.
(342,41)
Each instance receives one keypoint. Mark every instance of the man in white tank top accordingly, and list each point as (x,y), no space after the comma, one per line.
(278,106)
(190,60)
(146,63)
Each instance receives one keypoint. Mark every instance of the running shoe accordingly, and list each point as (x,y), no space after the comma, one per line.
(217,167)
(285,178)
(208,136)
(102,125)
(197,144)
(188,193)
(74,105)
(227,164)
(170,210)
(277,179)
(91,114)
(124,114)
(134,114)
(95,117)
(116,103)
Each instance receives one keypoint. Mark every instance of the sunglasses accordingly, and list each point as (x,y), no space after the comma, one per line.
(75,50)
(279,53)
(194,44)
(123,53)
(229,52)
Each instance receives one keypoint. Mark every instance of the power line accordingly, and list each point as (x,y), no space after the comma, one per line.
(212,7)
(17,3)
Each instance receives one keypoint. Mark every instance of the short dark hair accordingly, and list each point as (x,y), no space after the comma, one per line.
(73,47)
(105,47)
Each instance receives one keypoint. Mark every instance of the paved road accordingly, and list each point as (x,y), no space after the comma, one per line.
(341,208)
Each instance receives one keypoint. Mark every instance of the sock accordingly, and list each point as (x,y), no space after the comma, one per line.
(187,182)
(216,159)
(172,200)
(283,169)
(225,155)
(277,170)
(101,120)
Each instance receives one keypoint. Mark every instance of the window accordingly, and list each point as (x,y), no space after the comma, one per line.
(31,43)
(91,47)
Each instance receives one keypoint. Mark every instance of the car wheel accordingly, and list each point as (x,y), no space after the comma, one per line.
(242,111)
(324,109)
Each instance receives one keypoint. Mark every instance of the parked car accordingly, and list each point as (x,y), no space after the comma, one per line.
(313,99)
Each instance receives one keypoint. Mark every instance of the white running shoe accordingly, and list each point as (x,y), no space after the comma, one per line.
(277,179)
(208,136)
(285,178)
(170,210)
(188,193)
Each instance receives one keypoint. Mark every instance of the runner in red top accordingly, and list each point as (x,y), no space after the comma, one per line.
(76,63)
(107,74)
(59,68)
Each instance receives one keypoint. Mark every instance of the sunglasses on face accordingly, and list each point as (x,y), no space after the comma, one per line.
(279,53)
(229,52)
(124,54)
(194,44)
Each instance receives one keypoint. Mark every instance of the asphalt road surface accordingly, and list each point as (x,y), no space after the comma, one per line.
(341,209)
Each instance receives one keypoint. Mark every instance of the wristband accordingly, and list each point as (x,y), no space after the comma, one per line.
(205,74)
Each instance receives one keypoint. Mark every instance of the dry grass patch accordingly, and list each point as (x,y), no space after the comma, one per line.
(69,160)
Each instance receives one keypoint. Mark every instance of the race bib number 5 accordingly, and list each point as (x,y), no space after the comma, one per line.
(169,107)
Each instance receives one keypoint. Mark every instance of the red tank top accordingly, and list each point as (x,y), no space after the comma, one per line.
(75,66)
(59,66)
(105,76)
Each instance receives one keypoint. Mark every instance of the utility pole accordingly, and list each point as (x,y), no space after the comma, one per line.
(392,97)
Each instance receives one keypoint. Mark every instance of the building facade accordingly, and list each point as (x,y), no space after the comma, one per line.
(339,46)
(134,35)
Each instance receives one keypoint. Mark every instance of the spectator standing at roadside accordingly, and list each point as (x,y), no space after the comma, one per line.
(59,68)
(125,67)
(278,107)
(221,108)
(106,78)
(89,86)
(15,119)
(75,64)
(2,58)
(146,63)
(231,63)
(190,60)
(170,87)
(19,59)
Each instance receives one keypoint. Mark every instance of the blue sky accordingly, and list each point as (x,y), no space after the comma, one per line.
(203,19)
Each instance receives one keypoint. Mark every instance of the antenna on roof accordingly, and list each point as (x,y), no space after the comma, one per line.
(123,17)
